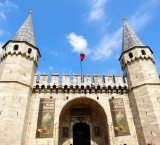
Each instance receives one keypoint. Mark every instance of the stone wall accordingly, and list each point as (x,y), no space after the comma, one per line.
(67,95)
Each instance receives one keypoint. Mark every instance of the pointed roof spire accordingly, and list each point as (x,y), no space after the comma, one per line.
(130,39)
(26,32)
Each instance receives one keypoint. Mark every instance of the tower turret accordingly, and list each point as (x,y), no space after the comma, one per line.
(138,64)
(20,58)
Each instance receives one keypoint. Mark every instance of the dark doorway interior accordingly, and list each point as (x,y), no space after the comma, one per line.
(81,134)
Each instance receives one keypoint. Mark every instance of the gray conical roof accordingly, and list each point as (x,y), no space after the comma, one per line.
(130,39)
(26,32)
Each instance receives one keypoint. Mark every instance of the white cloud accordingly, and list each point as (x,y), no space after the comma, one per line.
(2,15)
(54,53)
(2,32)
(109,43)
(79,43)
(51,68)
(143,15)
(97,9)
(1,5)
(10,4)
(6,7)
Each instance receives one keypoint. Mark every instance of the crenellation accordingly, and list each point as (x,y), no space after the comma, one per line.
(55,78)
(43,78)
(117,79)
(76,78)
(65,78)
(97,79)
(107,79)
(87,78)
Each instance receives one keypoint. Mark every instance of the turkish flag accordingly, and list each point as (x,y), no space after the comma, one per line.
(82,56)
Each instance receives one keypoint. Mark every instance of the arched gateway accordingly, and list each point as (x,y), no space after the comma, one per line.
(83,121)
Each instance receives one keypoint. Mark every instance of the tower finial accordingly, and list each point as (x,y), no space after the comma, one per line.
(30,12)
(123,18)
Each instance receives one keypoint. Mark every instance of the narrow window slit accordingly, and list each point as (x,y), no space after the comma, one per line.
(29,50)
(130,55)
(146,112)
(143,52)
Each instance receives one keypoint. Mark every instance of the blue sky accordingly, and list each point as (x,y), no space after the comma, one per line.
(64,29)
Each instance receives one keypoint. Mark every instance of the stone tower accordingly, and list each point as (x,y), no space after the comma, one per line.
(138,64)
(19,63)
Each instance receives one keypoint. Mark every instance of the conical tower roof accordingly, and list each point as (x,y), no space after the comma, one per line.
(26,32)
(130,39)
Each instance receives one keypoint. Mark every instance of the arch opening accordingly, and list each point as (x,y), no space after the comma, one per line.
(88,114)
(81,134)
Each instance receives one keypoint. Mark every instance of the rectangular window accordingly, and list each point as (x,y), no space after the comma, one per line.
(65,132)
(97,132)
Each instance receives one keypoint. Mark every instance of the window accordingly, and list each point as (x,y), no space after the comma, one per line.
(16,47)
(29,50)
(97,131)
(65,131)
(130,55)
(143,52)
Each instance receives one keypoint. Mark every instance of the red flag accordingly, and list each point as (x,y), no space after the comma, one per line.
(82,56)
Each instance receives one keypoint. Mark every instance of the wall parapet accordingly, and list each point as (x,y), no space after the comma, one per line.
(100,84)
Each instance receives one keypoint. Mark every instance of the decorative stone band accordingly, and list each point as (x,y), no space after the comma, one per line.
(135,59)
(23,54)
(85,89)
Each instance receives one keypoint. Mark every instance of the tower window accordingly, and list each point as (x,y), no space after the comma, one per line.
(16,47)
(130,55)
(143,52)
(29,50)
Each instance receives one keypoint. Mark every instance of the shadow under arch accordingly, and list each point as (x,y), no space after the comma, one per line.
(97,119)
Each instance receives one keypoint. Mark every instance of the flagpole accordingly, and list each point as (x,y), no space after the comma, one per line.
(81,70)
(82,55)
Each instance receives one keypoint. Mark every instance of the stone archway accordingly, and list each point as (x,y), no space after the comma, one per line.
(83,110)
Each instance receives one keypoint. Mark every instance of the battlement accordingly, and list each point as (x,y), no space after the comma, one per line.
(87,78)
(97,82)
